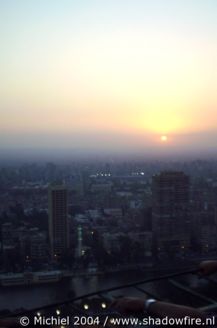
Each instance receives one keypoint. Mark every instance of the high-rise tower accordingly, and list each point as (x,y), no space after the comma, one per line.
(79,242)
(171,227)
(58,220)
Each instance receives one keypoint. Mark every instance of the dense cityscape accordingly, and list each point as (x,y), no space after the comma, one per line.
(108,166)
(91,218)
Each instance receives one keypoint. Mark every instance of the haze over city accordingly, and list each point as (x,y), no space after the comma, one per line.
(108,77)
(108,163)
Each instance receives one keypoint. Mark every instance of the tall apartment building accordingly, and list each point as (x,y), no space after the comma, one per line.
(58,220)
(170,212)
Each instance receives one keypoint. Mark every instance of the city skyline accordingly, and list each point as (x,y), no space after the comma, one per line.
(115,77)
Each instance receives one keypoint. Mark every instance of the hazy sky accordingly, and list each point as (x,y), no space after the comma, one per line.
(113,75)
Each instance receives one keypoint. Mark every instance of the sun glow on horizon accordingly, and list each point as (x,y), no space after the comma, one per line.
(108,75)
(164,138)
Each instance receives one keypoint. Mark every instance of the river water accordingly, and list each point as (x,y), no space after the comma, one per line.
(28,297)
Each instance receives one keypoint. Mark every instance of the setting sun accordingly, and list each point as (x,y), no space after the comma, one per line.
(163,138)
(147,71)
